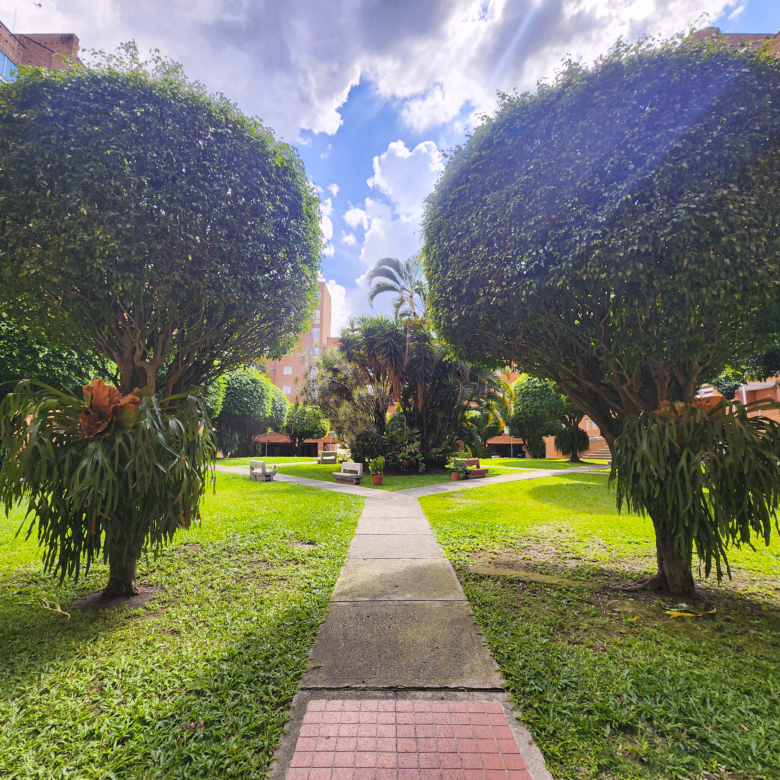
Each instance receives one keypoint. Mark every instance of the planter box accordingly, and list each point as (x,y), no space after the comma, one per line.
(377,479)
(455,476)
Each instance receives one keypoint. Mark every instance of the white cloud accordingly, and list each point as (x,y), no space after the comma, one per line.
(326,225)
(407,177)
(326,153)
(355,217)
(333,189)
(387,235)
(348,238)
(294,64)
(340,309)
(737,12)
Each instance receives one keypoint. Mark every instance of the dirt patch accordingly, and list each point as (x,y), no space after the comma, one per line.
(531,576)
(189,547)
(94,602)
(298,545)
(550,558)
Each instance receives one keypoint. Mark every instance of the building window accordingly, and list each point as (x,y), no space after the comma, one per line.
(287,370)
(315,335)
(315,351)
(587,425)
(7,68)
(316,316)
(287,389)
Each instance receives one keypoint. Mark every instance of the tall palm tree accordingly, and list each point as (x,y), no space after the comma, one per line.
(405,279)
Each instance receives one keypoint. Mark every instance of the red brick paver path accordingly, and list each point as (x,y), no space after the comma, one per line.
(406,740)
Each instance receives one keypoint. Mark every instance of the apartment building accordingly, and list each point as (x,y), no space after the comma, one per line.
(54,51)
(290,372)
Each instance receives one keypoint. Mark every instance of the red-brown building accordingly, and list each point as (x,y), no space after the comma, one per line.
(44,50)
(290,374)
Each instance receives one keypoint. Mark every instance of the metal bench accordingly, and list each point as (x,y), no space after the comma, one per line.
(259,472)
(350,474)
(475,472)
(328,457)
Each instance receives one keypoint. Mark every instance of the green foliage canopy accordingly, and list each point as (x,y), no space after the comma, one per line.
(22,356)
(380,362)
(304,422)
(618,231)
(537,410)
(252,405)
(162,226)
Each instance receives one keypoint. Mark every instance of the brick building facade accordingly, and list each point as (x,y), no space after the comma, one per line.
(44,50)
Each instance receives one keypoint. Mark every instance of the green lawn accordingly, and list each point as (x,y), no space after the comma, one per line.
(324,472)
(198,683)
(538,463)
(609,685)
(271,461)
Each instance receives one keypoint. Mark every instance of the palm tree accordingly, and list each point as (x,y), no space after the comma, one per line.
(405,279)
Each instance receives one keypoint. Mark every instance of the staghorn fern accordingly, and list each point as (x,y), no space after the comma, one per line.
(114,496)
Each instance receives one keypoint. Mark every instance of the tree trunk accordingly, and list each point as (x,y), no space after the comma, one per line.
(121,579)
(674,571)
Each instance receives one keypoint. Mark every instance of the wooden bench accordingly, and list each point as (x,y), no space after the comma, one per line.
(259,473)
(328,457)
(350,474)
(475,472)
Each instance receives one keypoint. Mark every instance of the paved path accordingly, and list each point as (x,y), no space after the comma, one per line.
(427,490)
(401,684)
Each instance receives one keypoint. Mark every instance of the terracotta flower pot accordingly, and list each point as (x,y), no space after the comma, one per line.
(455,476)
(377,479)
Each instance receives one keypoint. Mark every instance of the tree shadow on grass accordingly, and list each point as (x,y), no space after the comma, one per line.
(177,700)
(579,493)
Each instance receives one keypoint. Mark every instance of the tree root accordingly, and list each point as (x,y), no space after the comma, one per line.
(117,589)
(654,583)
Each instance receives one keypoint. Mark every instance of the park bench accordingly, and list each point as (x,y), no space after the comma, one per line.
(475,472)
(259,473)
(350,474)
(328,457)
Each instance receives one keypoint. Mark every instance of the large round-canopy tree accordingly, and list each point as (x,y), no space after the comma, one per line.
(618,232)
(145,220)
(148,222)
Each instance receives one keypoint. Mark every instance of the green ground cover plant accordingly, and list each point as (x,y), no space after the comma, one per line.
(393,482)
(609,684)
(195,683)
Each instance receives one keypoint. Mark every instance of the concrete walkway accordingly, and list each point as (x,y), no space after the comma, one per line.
(401,684)
(427,490)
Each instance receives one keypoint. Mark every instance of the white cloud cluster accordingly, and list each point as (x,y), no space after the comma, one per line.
(294,64)
(340,309)
(326,225)
(405,176)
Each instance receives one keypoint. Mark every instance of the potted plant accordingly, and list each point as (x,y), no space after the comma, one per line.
(459,469)
(377,469)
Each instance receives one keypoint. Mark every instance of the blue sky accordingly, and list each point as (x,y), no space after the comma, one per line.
(370,90)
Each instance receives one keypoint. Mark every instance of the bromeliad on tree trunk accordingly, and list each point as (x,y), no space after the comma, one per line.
(109,475)
(707,474)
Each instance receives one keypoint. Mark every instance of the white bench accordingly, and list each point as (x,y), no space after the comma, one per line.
(259,473)
(328,457)
(350,474)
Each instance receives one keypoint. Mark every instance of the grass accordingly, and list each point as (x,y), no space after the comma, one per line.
(539,463)
(610,686)
(279,460)
(392,482)
(198,682)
